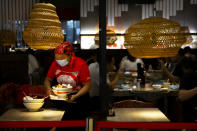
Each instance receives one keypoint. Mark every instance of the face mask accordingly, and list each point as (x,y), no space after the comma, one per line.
(62,62)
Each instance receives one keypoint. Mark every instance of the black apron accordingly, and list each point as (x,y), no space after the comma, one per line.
(78,110)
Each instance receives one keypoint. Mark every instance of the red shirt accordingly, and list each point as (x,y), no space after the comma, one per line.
(74,74)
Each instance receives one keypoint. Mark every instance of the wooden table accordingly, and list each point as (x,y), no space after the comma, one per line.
(138,115)
(25,115)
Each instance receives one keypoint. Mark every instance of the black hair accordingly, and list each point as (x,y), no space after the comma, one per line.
(181,52)
(30,51)
(109,58)
(131,58)
(187,49)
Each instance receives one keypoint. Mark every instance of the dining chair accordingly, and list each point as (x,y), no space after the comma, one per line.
(8,95)
(133,104)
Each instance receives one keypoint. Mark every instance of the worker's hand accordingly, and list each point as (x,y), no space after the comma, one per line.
(120,73)
(49,92)
(53,129)
(72,98)
(162,65)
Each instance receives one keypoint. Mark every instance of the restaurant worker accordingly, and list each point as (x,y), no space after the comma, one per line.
(69,69)
(188,89)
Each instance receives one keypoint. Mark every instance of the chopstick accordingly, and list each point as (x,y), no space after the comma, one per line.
(45,97)
(24,93)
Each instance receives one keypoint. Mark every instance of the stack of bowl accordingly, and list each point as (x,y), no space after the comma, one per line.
(33,104)
(62,91)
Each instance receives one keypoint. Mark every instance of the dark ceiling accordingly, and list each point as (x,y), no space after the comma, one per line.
(66,9)
(64,3)
(137,1)
(70,9)
(76,3)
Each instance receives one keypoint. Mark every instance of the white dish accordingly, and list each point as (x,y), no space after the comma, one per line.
(156,86)
(52,97)
(164,89)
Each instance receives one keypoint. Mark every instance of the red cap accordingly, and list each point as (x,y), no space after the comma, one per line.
(64,48)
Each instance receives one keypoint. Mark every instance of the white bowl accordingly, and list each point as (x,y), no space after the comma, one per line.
(62,92)
(157,86)
(32,100)
(164,89)
(33,106)
(63,89)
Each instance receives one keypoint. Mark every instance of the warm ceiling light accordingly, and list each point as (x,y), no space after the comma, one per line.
(44,28)
(110,37)
(154,38)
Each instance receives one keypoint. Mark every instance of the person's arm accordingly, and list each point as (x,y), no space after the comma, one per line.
(184,95)
(47,85)
(81,92)
(48,80)
(173,79)
(115,80)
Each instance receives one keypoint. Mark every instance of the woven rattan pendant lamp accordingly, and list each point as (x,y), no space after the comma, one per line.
(43,31)
(154,38)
